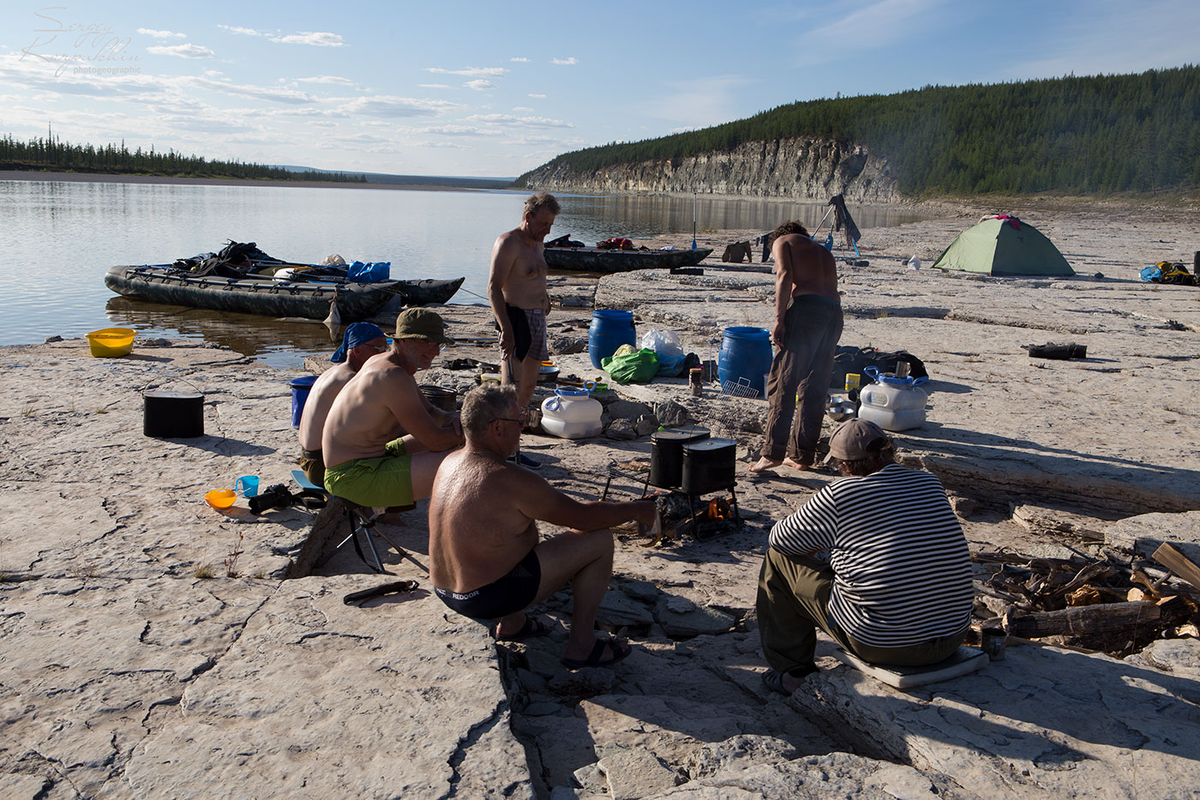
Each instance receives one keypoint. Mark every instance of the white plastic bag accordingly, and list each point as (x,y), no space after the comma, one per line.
(663,343)
(668,348)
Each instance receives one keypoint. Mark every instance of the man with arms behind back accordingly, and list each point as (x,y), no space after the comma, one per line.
(808,324)
(485,558)
(518,296)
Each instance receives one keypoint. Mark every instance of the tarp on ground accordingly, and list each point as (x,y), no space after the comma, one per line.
(1004,246)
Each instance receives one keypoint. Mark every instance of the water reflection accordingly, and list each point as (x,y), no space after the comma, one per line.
(640,216)
(61,237)
(271,341)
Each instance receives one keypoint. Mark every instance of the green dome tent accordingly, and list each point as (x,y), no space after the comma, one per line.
(1004,246)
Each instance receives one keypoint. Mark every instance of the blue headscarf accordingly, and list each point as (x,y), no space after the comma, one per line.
(358,333)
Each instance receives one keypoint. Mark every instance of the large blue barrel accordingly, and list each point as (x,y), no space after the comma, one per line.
(300,389)
(744,361)
(609,330)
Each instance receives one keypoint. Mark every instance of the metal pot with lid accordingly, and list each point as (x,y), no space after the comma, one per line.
(709,465)
(666,454)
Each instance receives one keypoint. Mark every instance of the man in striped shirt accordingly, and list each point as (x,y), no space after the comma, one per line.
(894,585)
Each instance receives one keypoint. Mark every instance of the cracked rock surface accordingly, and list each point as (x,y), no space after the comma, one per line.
(151,646)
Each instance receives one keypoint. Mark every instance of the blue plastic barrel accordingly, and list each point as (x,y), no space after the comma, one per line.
(744,361)
(609,330)
(300,389)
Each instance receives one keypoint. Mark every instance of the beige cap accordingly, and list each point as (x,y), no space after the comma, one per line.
(851,442)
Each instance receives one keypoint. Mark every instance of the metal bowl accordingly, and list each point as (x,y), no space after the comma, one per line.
(840,411)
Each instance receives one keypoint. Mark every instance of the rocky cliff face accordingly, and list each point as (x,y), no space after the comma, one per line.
(794,168)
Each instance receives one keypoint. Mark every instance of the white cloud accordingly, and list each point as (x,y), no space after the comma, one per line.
(523,109)
(519,59)
(455,130)
(389,106)
(873,26)
(446,145)
(537,95)
(242,31)
(566,62)
(433,86)
(181,51)
(470,72)
(519,122)
(1117,39)
(697,103)
(277,94)
(329,79)
(316,39)
(161,34)
(479,85)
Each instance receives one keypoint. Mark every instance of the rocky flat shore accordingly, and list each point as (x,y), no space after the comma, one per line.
(155,647)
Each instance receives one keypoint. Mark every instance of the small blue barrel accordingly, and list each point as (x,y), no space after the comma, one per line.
(609,330)
(300,388)
(744,361)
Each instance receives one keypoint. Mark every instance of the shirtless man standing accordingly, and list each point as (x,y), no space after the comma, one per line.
(383,440)
(808,324)
(485,558)
(518,296)
(361,341)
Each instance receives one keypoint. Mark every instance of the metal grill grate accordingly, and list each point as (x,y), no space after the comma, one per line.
(739,388)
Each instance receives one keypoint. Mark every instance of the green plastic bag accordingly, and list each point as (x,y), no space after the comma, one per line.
(639,366)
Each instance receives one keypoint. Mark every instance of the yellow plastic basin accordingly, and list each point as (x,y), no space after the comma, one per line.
(220,498)
(111,342)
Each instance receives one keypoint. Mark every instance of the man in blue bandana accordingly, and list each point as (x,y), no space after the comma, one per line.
(361,341)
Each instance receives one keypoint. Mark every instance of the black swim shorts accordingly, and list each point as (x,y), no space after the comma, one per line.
(506,595)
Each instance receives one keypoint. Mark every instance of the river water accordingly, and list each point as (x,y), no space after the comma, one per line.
(61,237)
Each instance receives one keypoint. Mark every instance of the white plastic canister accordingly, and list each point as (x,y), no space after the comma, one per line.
(572,414)
(894,404)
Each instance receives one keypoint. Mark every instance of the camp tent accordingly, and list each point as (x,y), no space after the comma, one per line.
(1004,246)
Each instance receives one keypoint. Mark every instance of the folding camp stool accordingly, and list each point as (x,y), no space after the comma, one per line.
(961,662)
(362,519)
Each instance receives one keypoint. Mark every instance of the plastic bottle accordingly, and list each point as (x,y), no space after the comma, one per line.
(894,404)
(572,414)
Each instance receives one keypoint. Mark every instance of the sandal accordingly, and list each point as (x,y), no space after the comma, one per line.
(773,679)
(532,628)
(596,659)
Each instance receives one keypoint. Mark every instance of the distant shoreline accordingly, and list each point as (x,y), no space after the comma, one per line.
(95,177)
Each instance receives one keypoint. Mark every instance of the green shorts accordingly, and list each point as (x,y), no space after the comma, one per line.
(376,482)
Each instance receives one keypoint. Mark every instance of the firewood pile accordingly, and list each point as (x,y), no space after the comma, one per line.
(1097,605)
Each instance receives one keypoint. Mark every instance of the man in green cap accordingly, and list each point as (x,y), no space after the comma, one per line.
(383,440)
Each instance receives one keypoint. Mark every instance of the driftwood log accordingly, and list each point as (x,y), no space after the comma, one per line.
(1178,563)
(1106,621)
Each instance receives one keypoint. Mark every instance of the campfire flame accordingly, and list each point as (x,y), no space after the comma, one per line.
(718,509)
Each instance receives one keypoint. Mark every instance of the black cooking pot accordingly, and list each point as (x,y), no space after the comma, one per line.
(173,415)
(666,454)
(440,398)
(709,465)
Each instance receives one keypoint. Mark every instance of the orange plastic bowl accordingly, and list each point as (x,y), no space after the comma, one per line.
(220,498)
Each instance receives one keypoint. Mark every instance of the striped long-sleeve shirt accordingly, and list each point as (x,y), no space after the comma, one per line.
(902,570)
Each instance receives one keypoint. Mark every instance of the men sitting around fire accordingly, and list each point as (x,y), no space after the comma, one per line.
(894,585)
(383,440)
(361,341)
(485,557)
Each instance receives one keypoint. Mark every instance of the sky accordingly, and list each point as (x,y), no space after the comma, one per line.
(494,89)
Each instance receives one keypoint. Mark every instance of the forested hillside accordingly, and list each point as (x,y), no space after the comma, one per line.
(1085,135)
(52,153)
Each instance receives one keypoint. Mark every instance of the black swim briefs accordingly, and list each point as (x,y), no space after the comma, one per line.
(506,595)
(529,331)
